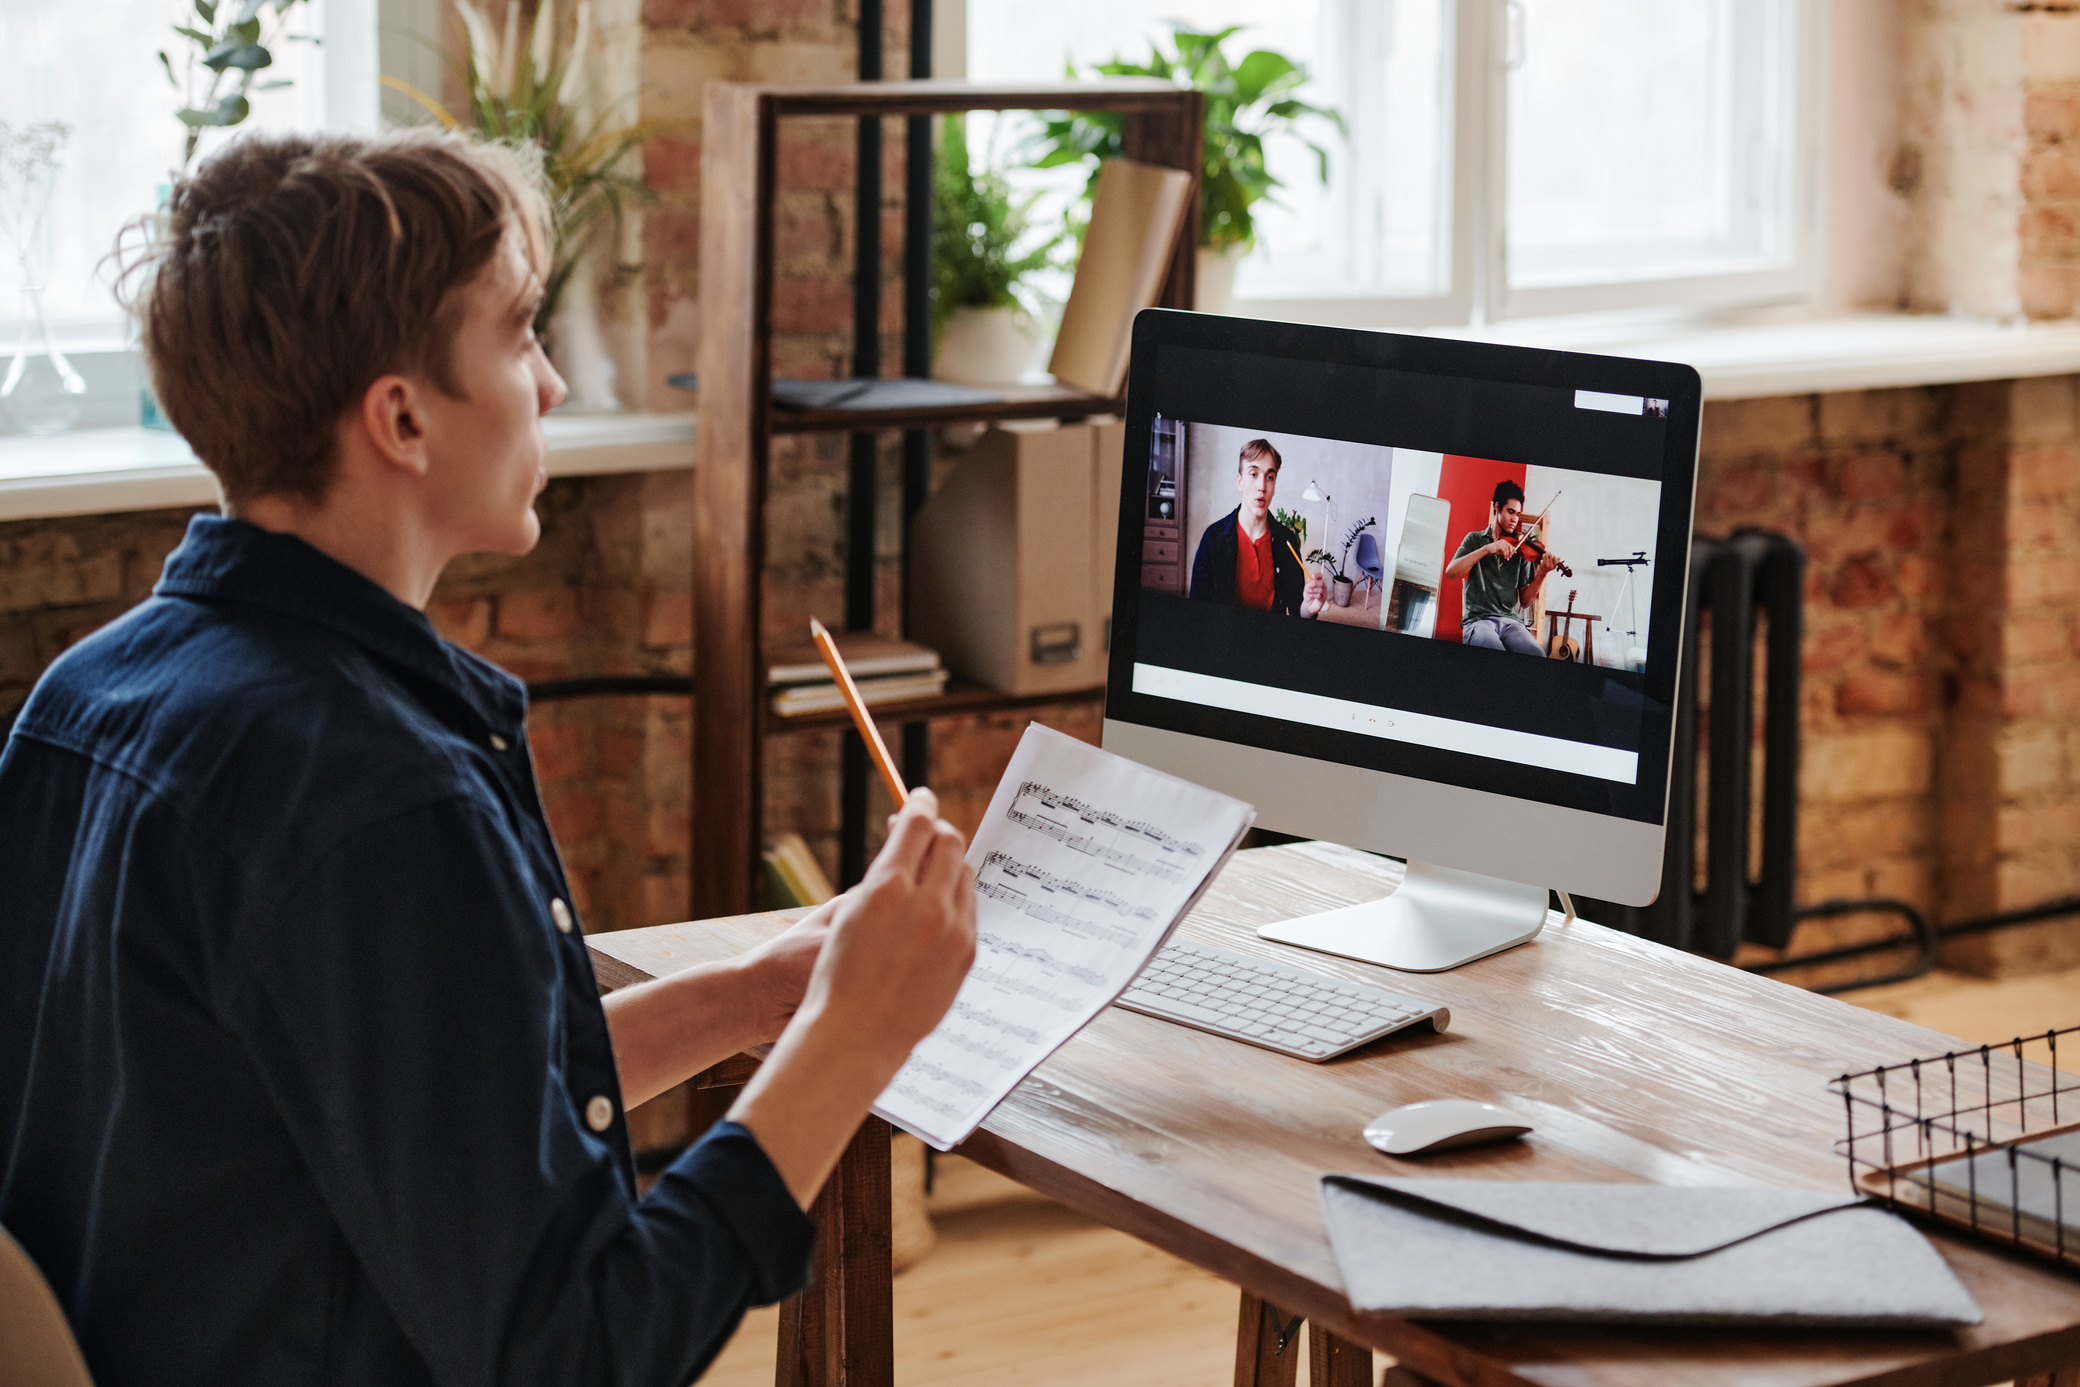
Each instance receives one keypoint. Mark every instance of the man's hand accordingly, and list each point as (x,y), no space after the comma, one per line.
(1314,596)
(896,950)
(901,941)
(1503,548)
(777,971)
(1548,563)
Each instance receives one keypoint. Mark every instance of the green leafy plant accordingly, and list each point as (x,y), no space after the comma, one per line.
(1245,102)
(227,43)
(1293,520)
(977,228)
(533,92)
(1341,562)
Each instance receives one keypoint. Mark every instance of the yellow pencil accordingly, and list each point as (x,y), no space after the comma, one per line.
(869,733)
(1303,562)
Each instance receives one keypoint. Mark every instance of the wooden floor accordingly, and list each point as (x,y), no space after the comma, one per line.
(1020,1290)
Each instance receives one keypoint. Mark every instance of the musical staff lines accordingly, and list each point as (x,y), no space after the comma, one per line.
(1088,844)
(1011,867)
(1040,958)
(1011,982)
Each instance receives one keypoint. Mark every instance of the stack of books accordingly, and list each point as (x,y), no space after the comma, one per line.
(886,671)
(793,875)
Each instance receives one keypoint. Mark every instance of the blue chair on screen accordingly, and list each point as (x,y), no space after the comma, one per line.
(1368,560)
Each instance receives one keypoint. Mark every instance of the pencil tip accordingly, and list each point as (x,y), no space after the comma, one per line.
(816,628)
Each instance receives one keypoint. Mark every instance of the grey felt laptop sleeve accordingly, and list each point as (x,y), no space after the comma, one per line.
(1519,1250)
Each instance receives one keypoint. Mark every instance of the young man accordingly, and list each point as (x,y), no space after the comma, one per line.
(303,1073)
(1247,558)
(1499,584)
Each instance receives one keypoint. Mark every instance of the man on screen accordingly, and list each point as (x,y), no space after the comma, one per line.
(1499,582)
(1247,558)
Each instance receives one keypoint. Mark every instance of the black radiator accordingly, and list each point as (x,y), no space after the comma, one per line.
(1736,580)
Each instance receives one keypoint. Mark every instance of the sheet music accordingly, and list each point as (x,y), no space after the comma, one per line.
(1083,865)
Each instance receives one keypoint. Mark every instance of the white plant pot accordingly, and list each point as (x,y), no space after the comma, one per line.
(1215,291)
(1341,589)
(578,346)
(986,346)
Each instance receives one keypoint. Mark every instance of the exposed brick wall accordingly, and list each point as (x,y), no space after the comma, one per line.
(1941,716)
(1941,711)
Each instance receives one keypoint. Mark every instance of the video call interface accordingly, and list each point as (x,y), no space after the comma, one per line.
(1435,576)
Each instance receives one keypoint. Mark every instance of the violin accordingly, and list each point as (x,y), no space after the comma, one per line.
(1530,546)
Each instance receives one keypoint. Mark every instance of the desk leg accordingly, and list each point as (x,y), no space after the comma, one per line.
(1334,1362)
(1267,1345)
(840,1331)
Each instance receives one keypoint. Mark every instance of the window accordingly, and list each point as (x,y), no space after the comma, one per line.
(95,67)
(1504,157)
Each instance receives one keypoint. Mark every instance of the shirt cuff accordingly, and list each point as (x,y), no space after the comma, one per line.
(733,1173)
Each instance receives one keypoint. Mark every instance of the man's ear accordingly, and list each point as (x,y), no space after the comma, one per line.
(388,418)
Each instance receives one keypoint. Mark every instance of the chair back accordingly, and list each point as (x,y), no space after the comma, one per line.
(36,1344)
(1368,556)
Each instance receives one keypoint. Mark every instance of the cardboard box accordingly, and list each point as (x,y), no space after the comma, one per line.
(1006,563)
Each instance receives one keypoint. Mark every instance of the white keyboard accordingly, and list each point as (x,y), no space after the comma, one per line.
(1309,1016)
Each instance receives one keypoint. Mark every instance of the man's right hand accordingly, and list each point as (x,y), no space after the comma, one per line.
(901,941)
(899,945)
(1503,548)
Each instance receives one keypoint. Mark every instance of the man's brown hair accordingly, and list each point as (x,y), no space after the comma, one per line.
(1257,449)
(288,272)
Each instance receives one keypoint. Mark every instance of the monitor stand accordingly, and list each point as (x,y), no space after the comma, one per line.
(1438,918)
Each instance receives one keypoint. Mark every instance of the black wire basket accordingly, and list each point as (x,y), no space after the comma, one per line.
(1986,1140)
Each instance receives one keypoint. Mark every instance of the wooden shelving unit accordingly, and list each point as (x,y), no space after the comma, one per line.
(731,713)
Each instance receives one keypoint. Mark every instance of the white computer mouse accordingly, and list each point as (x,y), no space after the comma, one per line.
(1442,1125)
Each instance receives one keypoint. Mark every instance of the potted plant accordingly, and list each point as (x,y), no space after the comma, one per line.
(1341,584)
(233,43)
(983,316)
(1245,102)
(534,89)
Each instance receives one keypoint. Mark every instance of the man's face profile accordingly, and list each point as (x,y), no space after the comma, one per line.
(1257,480)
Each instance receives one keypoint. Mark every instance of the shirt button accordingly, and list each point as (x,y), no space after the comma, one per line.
(599,1113)
(498,743)
(561,914)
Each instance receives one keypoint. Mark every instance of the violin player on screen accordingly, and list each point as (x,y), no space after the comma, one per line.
(1247,558)
(1502,579)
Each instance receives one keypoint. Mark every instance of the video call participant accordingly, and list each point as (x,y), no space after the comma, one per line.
(1247,558)
(1499,584)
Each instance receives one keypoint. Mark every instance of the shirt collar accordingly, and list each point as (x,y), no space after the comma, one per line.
(226,560)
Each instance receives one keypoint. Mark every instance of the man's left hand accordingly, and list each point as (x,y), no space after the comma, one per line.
(778,970)
(1547,564)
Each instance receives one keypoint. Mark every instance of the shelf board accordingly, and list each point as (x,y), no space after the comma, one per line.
(1019,402)
(961,697)
(936,97)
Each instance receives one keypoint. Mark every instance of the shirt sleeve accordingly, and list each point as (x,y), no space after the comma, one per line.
(1470,543)
(413,1020)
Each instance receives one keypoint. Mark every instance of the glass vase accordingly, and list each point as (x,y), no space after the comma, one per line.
(41,394)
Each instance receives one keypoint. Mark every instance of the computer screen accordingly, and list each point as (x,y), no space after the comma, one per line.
(1417,595)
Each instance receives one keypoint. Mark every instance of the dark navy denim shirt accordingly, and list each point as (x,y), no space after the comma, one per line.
(300,1079)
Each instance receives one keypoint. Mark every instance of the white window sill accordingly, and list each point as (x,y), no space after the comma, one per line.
(1877,351)
(98,471)
(92,471)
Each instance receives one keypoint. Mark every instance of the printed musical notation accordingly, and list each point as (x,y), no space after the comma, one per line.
(1040,878)
(1083,863)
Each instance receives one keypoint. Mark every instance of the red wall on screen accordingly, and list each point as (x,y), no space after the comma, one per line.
(1467,485)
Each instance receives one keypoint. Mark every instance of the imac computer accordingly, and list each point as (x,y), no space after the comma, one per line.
(1413,595)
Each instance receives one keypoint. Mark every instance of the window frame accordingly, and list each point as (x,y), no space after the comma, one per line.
(1479,290)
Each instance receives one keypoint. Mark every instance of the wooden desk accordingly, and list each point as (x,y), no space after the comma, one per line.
(1637,1063)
